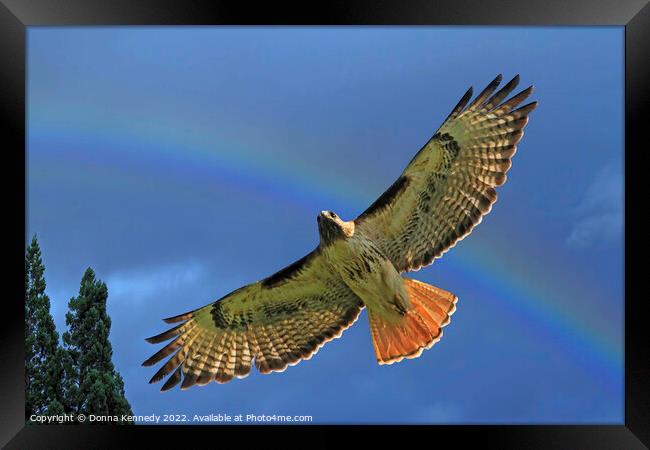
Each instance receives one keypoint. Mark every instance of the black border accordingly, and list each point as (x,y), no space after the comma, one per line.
(16,15)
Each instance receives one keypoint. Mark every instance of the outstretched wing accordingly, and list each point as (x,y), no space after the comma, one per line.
(448,186)
(273,323)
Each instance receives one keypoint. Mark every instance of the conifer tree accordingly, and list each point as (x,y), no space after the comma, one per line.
(92,385)
(43,365)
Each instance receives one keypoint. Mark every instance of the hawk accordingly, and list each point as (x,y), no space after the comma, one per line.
(438,199)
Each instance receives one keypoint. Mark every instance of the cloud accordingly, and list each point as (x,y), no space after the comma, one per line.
(441,413)
(142,284)
(599,215)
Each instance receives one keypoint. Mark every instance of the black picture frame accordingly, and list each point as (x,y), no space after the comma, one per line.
(17,15)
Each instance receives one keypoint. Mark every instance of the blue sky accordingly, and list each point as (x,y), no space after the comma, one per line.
(182,163)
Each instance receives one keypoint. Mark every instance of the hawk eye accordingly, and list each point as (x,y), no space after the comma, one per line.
(333,215)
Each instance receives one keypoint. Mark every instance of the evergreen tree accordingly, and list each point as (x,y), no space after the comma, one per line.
(92,385)
(43,364)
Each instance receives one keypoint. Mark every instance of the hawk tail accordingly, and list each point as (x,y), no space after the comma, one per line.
(418,329)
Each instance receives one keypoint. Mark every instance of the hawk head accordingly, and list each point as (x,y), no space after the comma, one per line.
(331,227)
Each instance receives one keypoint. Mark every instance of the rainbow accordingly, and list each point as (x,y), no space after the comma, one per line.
(521,284)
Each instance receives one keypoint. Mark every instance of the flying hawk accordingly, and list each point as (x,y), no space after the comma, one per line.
(442,194)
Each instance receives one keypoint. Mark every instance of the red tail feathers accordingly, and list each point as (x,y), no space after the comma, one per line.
(419,329)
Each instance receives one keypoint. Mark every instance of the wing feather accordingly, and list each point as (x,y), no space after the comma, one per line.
(448,186)
(272,324)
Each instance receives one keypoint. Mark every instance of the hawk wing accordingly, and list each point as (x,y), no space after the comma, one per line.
(273,323)
(448,186)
